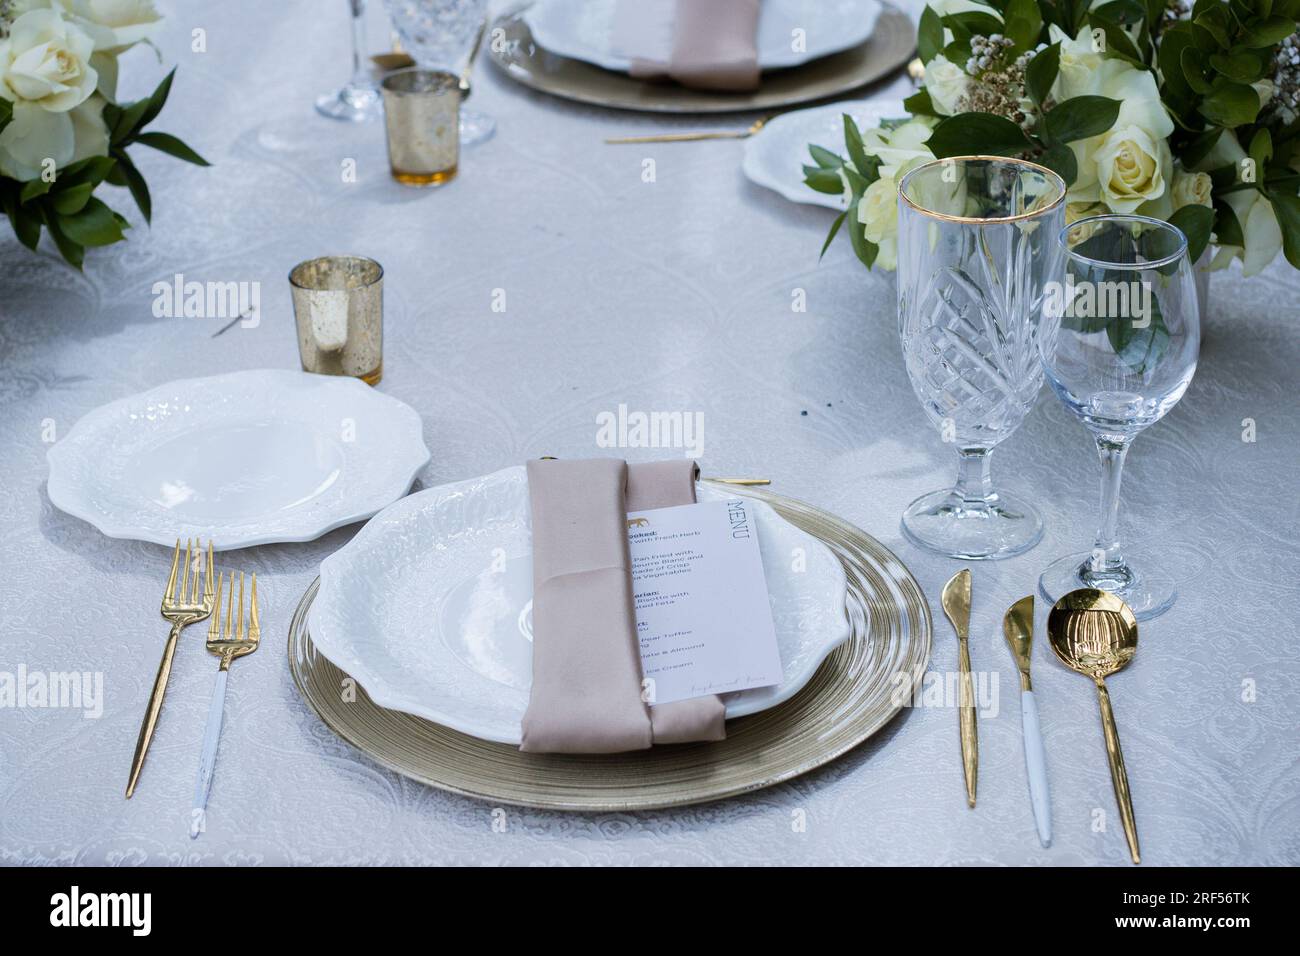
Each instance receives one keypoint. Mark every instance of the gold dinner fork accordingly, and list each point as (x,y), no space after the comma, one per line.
(691,137)
(227,644)
(181,606)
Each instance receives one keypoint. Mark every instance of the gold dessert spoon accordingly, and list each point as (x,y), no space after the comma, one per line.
(1095,633)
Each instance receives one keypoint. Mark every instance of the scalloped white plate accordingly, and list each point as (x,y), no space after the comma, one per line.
(429,605)
(583,29)
(776,154)
(246,458)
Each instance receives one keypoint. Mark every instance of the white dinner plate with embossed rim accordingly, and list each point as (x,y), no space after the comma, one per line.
(776,154)
(582,30)
(246,458)
(428,606)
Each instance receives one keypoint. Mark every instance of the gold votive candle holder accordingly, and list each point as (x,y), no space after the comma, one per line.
(422,118)
(338,306)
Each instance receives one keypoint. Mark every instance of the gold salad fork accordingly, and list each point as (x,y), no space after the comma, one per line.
(181,606)
(227,644)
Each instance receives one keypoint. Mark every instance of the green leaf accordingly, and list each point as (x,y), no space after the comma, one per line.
(1193,67)
(135,182)
(1199,147)
(1287,208)
(1227,228)
(929,36)
(853,142)
(93,170)
(1243,67)
(824,158)
(1196,222)
(971,22)
(864,248)
(1041,73)
(823,180)
(94,225)
(1118,43)
(73,252)
(1081,117)
(977,133)
(126,120)
(835,227)
(1268,32)
(34,188)
(157,99)
(1169,56)
(1140,348)
(26,223)
(1061,160)
(6,112)
(72,200)
(1024,22)
(1232,104)
(1261,149)
(919,104)
(172,146)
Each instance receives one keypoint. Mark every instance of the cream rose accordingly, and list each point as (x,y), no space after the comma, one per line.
(1255,215)
(1192,189)
(114,25)
(878,210)
(45,72)
(1131,168)
(946,83)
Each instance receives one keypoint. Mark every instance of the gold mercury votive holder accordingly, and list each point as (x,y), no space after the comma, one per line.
(422,117)
(338,306)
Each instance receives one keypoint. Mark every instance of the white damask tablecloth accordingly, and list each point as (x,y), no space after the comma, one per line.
(672,295)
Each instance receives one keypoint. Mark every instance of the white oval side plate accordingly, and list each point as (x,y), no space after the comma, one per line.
(429,605)
(246,458)
(776,154)
(582,30)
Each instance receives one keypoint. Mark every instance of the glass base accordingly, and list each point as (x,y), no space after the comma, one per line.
(354,104)
(475,127)
(1147,590)
(999,527)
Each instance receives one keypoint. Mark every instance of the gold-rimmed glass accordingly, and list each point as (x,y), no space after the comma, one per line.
(421,116)
(338,307)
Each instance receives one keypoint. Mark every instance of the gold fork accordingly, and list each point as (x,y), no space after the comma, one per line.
(181,606)
(690,137)
(227,644)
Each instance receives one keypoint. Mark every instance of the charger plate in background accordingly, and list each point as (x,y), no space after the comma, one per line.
(513,49)
(855,692)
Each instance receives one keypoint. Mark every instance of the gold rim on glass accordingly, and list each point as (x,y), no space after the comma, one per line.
(859,688)
(296,271)
(979,220)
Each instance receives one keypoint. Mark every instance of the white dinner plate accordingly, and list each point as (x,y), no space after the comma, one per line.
(429,605)
(776,154)
(582,30)
(241,459)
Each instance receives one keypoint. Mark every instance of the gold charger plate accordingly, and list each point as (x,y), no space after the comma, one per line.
(854,693)
(890,45)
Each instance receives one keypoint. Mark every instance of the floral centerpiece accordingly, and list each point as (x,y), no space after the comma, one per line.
(62,131)
(1187,113)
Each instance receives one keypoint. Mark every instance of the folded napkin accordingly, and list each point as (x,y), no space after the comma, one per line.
(586,694)
(711,44)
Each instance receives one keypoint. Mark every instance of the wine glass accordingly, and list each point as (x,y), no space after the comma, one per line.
(358,100)
(445,35)
(976,245)
(1119,338)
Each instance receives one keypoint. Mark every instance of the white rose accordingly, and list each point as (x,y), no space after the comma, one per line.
(1255,215)
(946,83)
(1130,168)
(901,147)
(1192,189)
(878,210)
(114,25)
(1080,60)
(45,73)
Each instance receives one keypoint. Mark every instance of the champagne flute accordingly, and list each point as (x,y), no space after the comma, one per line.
(1119,337)
(358,100)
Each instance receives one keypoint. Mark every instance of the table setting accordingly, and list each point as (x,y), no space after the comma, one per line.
(574,392)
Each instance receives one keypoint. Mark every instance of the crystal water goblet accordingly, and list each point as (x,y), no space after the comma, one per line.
(976,245)
(440,35)
(358,100)
(1119,339)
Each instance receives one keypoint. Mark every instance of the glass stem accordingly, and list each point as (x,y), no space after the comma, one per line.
(1105,567)
(974,483)
(360,78)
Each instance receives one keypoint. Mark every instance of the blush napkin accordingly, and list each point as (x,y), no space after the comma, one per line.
(586,693)
(705,44)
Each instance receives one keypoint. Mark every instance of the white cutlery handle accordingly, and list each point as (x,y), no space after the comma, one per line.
(208,761)
(1036,765)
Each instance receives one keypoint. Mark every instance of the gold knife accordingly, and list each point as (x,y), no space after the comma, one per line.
(956,605)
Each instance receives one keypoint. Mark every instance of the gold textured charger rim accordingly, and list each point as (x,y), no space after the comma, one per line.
(891,44)
(854,693)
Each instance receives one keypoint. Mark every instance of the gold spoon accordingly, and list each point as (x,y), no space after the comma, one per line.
(1095,633)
